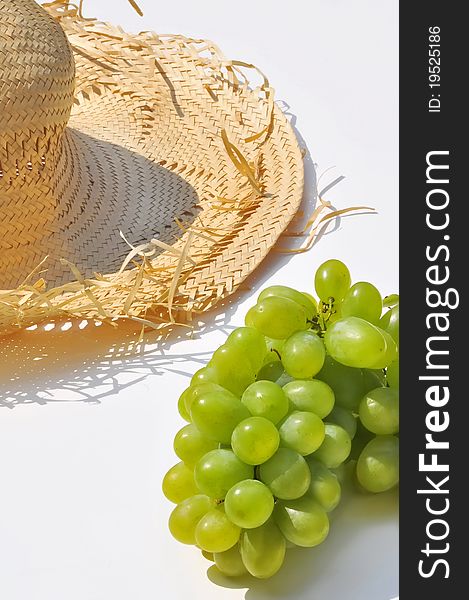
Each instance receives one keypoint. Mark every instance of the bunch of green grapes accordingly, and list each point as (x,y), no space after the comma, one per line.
(304,387)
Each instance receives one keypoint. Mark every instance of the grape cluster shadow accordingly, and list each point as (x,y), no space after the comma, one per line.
(305,566)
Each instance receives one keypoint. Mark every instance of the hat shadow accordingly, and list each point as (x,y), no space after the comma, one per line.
(71,361)
(127,199)
(89,361)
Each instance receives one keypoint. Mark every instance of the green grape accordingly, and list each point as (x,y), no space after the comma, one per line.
(379,410)
(335,312)
(205,375)
(313,301)
(194,391)
(303,354)
(215,532)
(390,323)
(314,396)
(373,378)
(274,349)
(248,318)
(284,379)
(282,291)
(342,471)
(303,521)
(190,444)
(332,280)
(356,343)
(182,406)
(216,414)
(346,382)
(392,374)
(251,342)
(385,319)
(361,439)
(249,503)
(233,369)
(278,318)
(263,550)
(271,371)
(179,484)
(391,351)
(255,440)
(266,399)
(286,474)
(345,418)
(302,431)
(324,487)
(363,300)
(335,448)
(218,471)
(378,464)
(230,562)
(186,515)
(208,555)
(391,300)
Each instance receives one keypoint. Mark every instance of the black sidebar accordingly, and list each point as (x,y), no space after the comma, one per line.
(434,267)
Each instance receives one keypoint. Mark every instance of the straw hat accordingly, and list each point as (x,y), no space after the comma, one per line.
(141,176)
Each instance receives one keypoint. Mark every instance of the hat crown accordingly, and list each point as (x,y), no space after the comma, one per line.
(36,88)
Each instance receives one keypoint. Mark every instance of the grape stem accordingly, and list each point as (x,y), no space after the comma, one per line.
(325,311)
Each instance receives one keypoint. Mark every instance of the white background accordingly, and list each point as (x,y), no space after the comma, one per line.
(86,424)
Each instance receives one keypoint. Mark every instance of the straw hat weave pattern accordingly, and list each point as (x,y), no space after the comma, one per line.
(141,176)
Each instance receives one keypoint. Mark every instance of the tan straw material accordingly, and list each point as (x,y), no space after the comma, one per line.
(141,176)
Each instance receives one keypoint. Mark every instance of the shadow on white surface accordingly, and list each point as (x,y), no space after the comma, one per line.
(82,366)
(82,362)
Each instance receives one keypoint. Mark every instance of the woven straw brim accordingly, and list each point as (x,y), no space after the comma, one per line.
(166,141)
